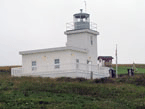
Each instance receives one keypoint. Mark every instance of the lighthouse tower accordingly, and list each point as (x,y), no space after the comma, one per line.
(83,34)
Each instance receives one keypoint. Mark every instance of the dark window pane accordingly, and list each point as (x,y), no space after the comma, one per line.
(77,60)
(56,61)
(33,63)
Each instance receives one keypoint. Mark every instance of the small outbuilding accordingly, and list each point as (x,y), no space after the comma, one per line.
(105,61)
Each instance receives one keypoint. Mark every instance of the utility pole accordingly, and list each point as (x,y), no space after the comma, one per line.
(116,63)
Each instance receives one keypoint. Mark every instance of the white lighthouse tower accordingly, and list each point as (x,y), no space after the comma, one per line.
(83,34)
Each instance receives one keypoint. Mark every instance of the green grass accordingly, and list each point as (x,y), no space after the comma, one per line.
(67,93)
(122,69)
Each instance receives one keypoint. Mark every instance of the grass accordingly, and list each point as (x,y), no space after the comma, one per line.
(122,68)
(67,93)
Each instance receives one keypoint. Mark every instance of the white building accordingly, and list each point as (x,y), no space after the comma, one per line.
(77,59)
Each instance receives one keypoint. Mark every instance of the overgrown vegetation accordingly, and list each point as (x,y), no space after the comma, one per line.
(67,93)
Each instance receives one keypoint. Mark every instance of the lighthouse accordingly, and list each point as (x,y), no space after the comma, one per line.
(83,34)
(77,59)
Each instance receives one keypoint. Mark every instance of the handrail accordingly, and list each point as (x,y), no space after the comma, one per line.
(71,26)
(80,66)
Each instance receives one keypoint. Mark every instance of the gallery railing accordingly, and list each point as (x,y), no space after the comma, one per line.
(77,26)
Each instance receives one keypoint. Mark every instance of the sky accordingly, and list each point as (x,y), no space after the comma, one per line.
(38,24)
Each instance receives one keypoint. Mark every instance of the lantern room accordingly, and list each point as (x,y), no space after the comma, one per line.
(81,20)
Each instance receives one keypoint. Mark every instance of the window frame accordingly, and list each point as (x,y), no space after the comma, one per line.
(34,65)
(56,63)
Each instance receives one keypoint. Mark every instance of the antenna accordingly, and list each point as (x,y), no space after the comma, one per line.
(85,5)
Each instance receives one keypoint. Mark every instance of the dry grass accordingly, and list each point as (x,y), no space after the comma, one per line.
(7,68)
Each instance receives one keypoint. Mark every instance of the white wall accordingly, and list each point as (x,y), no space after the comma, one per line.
(82,40)
(78,55)
(68,66)
(45,61)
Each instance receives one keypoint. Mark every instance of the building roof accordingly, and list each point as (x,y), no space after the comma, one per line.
(105,57)
(52,50)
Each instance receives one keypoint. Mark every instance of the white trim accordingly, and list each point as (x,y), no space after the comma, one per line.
(53,49)
(81,31)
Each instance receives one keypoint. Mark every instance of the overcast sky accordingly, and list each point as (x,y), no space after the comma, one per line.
(39,24)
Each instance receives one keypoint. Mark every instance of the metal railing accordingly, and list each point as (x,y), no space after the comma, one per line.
(65,70)
(72,26)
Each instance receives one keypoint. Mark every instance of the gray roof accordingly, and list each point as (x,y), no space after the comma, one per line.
(53,49)
(81,15)
(105,57)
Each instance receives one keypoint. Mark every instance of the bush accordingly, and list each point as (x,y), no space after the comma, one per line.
(104,80)
(68,79)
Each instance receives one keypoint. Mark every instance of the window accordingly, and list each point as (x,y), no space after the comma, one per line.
(56,66)
(33,63)
(34,66)
(77,63)
(56,62)
(77,60)
(88,61)
(91,40)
